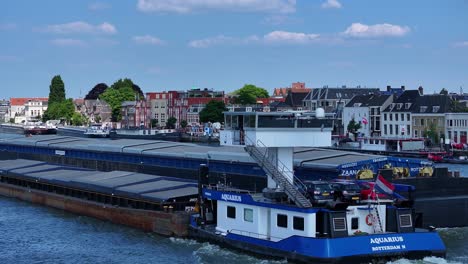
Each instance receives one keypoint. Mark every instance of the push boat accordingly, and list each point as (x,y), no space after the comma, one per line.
(96,131)
(281,222)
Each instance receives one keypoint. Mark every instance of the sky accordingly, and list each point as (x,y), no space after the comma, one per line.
(223,44)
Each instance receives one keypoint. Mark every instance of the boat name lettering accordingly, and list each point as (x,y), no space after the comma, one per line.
(380,248)
(415,169)
(60,152)
(352,164)
(380,159)
(231,197)
(380,240)
(349,172)
(207,193)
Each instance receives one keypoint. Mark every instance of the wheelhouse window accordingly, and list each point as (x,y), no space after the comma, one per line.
(248,215)
(231,212)
(298,223)
(355,223)
(282,220)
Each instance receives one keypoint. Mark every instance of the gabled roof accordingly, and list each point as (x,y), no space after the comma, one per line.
(22,101)
(407,98)
(432,104)
(368,100)
(295,98)
(338,93)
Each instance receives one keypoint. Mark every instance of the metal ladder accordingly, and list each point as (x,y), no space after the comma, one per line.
(296,191)
(375,208)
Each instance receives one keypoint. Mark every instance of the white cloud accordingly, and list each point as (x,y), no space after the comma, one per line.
(8,26)
(331,4)
(461,44)
(147,39)
(275,37)
(97,6)
(68,42)
(81,27)
(378,30)
(207,42)
(187,6)
(290,37)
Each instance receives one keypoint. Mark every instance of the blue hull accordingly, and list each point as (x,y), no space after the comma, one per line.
(355,249)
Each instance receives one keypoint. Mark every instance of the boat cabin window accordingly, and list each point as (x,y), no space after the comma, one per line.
(248,215)
(355,223)
(282,220)
(275,121)
(231,212)
(228,121)
(298,223)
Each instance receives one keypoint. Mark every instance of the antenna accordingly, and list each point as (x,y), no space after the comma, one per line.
(461,90)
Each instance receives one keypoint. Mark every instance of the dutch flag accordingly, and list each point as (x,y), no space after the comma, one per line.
(384,186)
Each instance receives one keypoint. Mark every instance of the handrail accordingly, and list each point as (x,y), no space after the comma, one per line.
(249,233)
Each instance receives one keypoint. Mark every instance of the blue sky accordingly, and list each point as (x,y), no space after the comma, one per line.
(224,44)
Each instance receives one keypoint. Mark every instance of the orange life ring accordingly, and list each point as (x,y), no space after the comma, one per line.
(369,219)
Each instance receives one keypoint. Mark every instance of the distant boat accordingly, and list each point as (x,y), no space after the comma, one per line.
(455,160)
(97,131)
(150,134)
(39,128)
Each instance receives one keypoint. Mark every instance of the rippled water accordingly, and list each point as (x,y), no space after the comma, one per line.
(36,234)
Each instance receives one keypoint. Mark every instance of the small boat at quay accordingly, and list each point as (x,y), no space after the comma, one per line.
(39,128)
(97,131)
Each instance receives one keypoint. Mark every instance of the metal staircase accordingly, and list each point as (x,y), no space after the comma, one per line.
(296,191)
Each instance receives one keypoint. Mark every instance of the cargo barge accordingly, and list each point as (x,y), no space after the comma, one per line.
(152,203)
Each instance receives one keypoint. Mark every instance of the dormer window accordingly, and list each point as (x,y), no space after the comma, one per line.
(422,109)
(407,105)
(357,104)
(435,108)
(392,106)
(399,106)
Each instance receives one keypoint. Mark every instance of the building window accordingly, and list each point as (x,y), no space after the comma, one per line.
(408,117)
(390,116)
(385,117)
(298,223)
(408,130)
(415,133)
(248,215)
(402,117)
(355,223)
(422,122)
(231,212)
(282,220)
(385,129)
(396,117)
(391,129)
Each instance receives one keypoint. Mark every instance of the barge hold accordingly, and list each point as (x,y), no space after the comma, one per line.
(152,203)
(231,164)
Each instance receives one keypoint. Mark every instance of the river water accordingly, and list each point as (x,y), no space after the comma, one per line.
(37,234)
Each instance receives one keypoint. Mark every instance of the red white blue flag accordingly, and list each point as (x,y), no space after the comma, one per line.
(384,186)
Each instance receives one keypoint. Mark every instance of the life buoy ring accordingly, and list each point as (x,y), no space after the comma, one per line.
(369,219)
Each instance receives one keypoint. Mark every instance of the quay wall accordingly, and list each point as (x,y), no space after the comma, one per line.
(163,223)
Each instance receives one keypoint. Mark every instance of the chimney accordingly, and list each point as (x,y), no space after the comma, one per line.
(389,88)
(421,90)
(403,87)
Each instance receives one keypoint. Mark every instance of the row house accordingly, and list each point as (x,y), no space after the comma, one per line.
(333,100)
(27,109)
(367,109)
(158,107)
(297,87)
(456,127)
(4,111)
(429,115)
(396,118)
(97,111)
(135,114)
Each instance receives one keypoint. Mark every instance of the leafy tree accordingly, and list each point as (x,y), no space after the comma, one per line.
(128,83)
(97,118)
(56,90)
(444,91)
(353,127)
(154,122)
(213,112)
(171,121)
(431,133)
(115,97)
(97,90)
(249,94)
(78,119)
(183,123)
(60,110)
(458,107)
(12,120)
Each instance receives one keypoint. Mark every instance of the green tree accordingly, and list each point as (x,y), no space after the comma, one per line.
(56,90)
(115,97)
(97,118)
(171,121)
(431,133)
(249,94)
(60,110)
(119,84)
(183,123)
(213,112)
(78,119)
(353,127)
(154,122)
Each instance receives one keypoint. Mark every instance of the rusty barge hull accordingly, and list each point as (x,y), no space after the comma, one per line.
(162,223)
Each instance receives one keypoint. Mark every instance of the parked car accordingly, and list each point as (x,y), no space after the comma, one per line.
(319,192)
(367,192)
(349,192)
